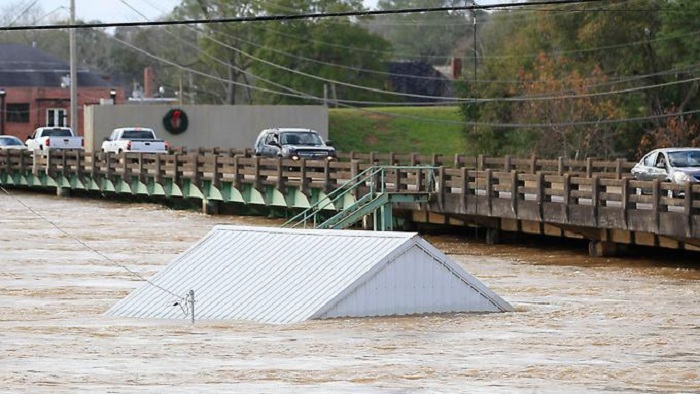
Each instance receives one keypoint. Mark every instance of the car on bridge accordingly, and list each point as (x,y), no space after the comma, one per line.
(134,139)
(11,142)
(677,165)
(52,138)
(293,143)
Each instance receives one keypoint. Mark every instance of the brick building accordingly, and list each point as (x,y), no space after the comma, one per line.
(37,90)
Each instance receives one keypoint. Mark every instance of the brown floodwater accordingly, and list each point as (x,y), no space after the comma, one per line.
(581,325)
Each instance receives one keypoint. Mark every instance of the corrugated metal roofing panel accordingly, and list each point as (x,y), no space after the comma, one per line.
(413,283)
(281,275)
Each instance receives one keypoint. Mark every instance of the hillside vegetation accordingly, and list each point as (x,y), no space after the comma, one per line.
(423,130)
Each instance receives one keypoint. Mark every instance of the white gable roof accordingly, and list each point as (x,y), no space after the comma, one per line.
(278,275)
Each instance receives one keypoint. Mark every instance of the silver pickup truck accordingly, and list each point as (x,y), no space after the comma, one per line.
(45,138)
(134,139)
(293,143)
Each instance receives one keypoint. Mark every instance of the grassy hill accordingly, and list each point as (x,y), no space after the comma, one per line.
(423,130)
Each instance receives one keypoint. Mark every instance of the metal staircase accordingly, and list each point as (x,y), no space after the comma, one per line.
(378,194)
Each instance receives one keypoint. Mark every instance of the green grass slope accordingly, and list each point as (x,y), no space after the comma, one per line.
(423,130)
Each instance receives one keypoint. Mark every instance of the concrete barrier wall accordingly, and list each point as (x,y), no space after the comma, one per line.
(225,126)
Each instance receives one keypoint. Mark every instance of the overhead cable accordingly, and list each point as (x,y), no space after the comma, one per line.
(316,15)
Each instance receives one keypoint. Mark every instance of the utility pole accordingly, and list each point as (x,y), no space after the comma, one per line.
(191,88)
(73,72)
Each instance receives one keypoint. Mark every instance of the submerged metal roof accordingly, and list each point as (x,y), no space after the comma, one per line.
(278,275)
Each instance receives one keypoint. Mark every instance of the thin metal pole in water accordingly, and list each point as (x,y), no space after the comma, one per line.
(192,305)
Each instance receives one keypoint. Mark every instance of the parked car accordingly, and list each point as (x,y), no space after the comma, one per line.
(45,138)
(134,139)
(293,144)
(677,165)
(11,142)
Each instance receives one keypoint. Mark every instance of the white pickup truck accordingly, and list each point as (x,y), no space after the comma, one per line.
(45,138)
(134,139)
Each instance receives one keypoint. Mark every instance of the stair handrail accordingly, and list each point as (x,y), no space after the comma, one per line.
(355,208)
(346,187)
(352,184)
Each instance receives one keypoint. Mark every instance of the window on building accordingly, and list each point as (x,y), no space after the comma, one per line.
(56,117)
(17,113)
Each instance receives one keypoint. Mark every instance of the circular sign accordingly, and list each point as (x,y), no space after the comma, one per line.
(175,121)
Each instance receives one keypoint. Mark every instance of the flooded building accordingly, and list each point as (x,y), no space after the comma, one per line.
(281,276)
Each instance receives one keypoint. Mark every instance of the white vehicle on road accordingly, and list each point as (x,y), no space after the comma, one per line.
(45,138)
(677,165)
(9,142)
(134,139)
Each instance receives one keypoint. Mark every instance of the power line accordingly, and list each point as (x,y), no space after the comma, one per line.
(225,64)
(316,15)
(527,125)
(586,95)
(611,83)
(21,14)
(346,102)
(201,73)
(311,76)
(442,100)
(359,69)
(310,60)
(605,48)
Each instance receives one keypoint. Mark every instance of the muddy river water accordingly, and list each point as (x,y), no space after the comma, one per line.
(581,325)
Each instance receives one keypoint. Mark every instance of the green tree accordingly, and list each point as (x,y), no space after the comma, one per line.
(679,32)
(506,41)
(676,131)
(432,37)
(621,42)
(284,61)
(136,48)
(305,57)
(677,42)
(227,50)
(566,134)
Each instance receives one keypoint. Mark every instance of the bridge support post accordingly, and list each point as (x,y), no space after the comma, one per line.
(384,218)
(603,249)
(210,207)
(493,236)
(63,191)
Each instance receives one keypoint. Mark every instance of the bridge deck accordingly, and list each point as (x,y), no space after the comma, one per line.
(600,203)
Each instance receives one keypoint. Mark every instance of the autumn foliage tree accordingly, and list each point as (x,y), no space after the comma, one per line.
(678,131)
(566,109)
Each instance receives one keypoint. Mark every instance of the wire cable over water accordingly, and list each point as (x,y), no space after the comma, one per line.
(181,300)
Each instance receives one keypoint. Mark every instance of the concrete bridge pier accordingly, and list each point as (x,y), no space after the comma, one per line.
(493,236)
(605,249)
(210,207)
(63,191)
(368,222)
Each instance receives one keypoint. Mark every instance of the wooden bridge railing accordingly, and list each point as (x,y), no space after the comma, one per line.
(240,166)
(546,180)
(591,193)
(587,167)
(503,193)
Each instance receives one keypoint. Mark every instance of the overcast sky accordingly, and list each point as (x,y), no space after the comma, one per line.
(119,10)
